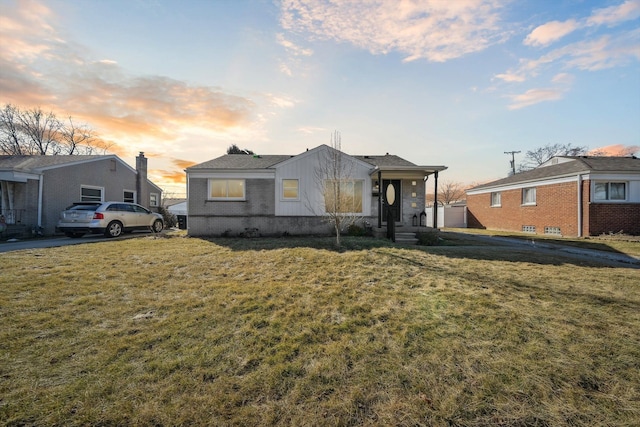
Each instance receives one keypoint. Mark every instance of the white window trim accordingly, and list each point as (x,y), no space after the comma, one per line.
(535,202)
(499,204)
(135,196)
(361,213)
(157,203)
(289,199)
(92,187)
(609,199)
(227,199)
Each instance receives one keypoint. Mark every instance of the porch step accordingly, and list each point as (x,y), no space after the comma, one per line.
(406,238)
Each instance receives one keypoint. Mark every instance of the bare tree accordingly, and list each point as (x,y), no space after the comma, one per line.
(450,192)
(538,156)
(342,195)
(11,138)
(77,139)
(34,132)
(41,130)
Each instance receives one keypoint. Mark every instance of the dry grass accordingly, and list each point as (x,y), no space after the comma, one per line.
(183,331)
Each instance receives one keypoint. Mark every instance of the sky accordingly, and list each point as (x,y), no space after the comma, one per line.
(438,82)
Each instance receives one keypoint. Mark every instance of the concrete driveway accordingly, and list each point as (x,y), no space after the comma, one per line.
(605,257)
(52,242)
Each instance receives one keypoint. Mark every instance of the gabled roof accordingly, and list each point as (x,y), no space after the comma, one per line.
(253,162)
(576,165)
(386,160)
(241,161)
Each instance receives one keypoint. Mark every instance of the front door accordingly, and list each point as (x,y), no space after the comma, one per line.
(392,198)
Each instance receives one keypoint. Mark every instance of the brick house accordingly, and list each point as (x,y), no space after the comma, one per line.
(569,196)
(35,189)
(279,194)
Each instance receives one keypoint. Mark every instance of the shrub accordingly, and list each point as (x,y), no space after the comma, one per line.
(429,238)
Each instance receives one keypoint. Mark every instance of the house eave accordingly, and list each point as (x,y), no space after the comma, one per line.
(408,170)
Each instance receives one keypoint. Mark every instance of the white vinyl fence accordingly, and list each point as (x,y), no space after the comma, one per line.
(448,216)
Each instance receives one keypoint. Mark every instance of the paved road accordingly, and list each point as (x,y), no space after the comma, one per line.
(61,241)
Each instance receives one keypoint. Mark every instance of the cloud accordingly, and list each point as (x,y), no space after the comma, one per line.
(550,32)
(292,47)
(615,150)
(607,51)
(535,96)
(434,30)
(612,15)
(183,164)
(129,113)
(553,31)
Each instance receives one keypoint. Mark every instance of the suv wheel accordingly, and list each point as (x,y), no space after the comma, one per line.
(157,226)
(114,229)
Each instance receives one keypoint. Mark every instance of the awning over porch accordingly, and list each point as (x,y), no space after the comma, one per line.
(381,172)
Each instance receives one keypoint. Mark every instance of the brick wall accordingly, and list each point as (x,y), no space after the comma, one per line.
(614,218)
(556,206)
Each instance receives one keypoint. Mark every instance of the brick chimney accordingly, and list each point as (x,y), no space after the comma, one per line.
(141,180)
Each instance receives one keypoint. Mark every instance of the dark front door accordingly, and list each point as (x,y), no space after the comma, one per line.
(392,199)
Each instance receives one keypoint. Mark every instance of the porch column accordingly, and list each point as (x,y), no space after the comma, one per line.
(435,201)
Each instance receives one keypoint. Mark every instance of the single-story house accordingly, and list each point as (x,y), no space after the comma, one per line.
(283,194)
(567,195)
(35,189)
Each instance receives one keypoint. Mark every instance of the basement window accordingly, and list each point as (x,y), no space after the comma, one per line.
(528,228)
(552,230)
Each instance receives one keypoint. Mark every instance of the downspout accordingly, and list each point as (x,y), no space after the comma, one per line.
(40,195)
(435,201)
(379,199)
(580,210)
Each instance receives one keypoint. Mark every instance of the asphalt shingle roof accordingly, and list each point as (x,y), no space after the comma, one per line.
(241,161)
(29,163)
(386,160)
(245,161)
(580,164)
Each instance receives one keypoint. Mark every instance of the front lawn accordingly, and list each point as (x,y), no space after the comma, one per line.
(287,332)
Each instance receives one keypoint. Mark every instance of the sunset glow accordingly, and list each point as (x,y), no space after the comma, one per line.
(454,83)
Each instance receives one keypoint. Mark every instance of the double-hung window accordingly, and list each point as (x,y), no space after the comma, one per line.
(91,194)
(153,199)
(496,199)
(226,189)
(529,196)
(610,191)
(129,196)
(290,189)
(343,196)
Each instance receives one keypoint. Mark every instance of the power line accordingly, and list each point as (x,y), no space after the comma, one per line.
(513,159)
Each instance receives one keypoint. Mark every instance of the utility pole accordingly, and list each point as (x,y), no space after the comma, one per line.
(513,159)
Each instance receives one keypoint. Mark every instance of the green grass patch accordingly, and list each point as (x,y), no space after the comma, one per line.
(254,332)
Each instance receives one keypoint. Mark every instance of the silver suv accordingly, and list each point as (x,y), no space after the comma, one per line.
(110,218)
